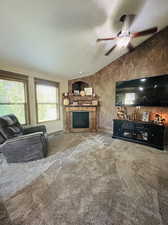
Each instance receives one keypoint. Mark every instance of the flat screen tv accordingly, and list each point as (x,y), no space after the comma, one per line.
(148,91)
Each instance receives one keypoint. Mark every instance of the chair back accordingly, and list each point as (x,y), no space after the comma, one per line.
(10,127)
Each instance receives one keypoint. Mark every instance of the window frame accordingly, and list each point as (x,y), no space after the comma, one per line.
(11,76)
(50,84)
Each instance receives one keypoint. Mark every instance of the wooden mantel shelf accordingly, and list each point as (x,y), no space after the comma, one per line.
(81,108)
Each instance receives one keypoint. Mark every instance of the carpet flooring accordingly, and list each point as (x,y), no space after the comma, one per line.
(88,179)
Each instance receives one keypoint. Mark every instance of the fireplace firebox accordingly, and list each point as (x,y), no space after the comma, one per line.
(80,120)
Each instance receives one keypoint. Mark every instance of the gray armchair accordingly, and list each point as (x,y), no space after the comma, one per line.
(21,144)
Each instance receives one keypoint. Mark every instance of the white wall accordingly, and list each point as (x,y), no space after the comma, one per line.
(52,126)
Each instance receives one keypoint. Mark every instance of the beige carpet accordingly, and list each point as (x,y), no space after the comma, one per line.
(92,180)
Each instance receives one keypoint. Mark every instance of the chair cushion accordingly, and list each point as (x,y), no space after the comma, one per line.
(8,121)
(10,126)
(14,130)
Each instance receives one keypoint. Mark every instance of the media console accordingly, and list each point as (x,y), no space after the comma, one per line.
(146,133)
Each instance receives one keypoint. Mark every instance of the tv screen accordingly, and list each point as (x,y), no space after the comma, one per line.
(148,91)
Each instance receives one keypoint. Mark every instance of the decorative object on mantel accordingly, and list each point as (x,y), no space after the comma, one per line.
(76,92)
(88,91)
(95,102)
(82,93)
(65,94)
(65,99)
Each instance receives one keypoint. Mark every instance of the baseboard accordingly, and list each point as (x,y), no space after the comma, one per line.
(56,132)
(105,130)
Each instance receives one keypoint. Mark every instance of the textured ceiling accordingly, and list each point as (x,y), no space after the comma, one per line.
(58,37)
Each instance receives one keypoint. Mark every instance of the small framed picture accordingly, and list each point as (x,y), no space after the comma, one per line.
(95,102)
(88,91)
(145,116)
(76,92)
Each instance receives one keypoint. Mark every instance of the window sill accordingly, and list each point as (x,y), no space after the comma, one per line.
(49,121)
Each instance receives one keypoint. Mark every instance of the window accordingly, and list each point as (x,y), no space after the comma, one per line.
(47,100)
(13,95)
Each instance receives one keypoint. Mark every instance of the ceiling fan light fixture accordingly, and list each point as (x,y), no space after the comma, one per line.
(124,36)
(123,42)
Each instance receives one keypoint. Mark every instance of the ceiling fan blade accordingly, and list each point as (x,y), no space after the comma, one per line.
(111,49)
(105,39)
(130,47)
(144,32)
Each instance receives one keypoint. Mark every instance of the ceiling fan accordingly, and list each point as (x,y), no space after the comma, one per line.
(124,37)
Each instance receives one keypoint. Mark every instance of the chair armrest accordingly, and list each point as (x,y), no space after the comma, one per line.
(23,137)
(24,148)
(33,129)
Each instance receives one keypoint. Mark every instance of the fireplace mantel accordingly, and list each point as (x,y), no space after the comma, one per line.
(92,118)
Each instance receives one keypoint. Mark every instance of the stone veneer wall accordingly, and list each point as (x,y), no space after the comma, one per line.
(148,59)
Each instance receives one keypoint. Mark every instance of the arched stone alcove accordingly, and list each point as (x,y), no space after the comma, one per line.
(79,85)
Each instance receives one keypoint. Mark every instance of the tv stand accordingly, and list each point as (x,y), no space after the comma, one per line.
(140,132)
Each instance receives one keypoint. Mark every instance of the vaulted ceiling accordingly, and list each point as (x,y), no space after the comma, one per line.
(58,37)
